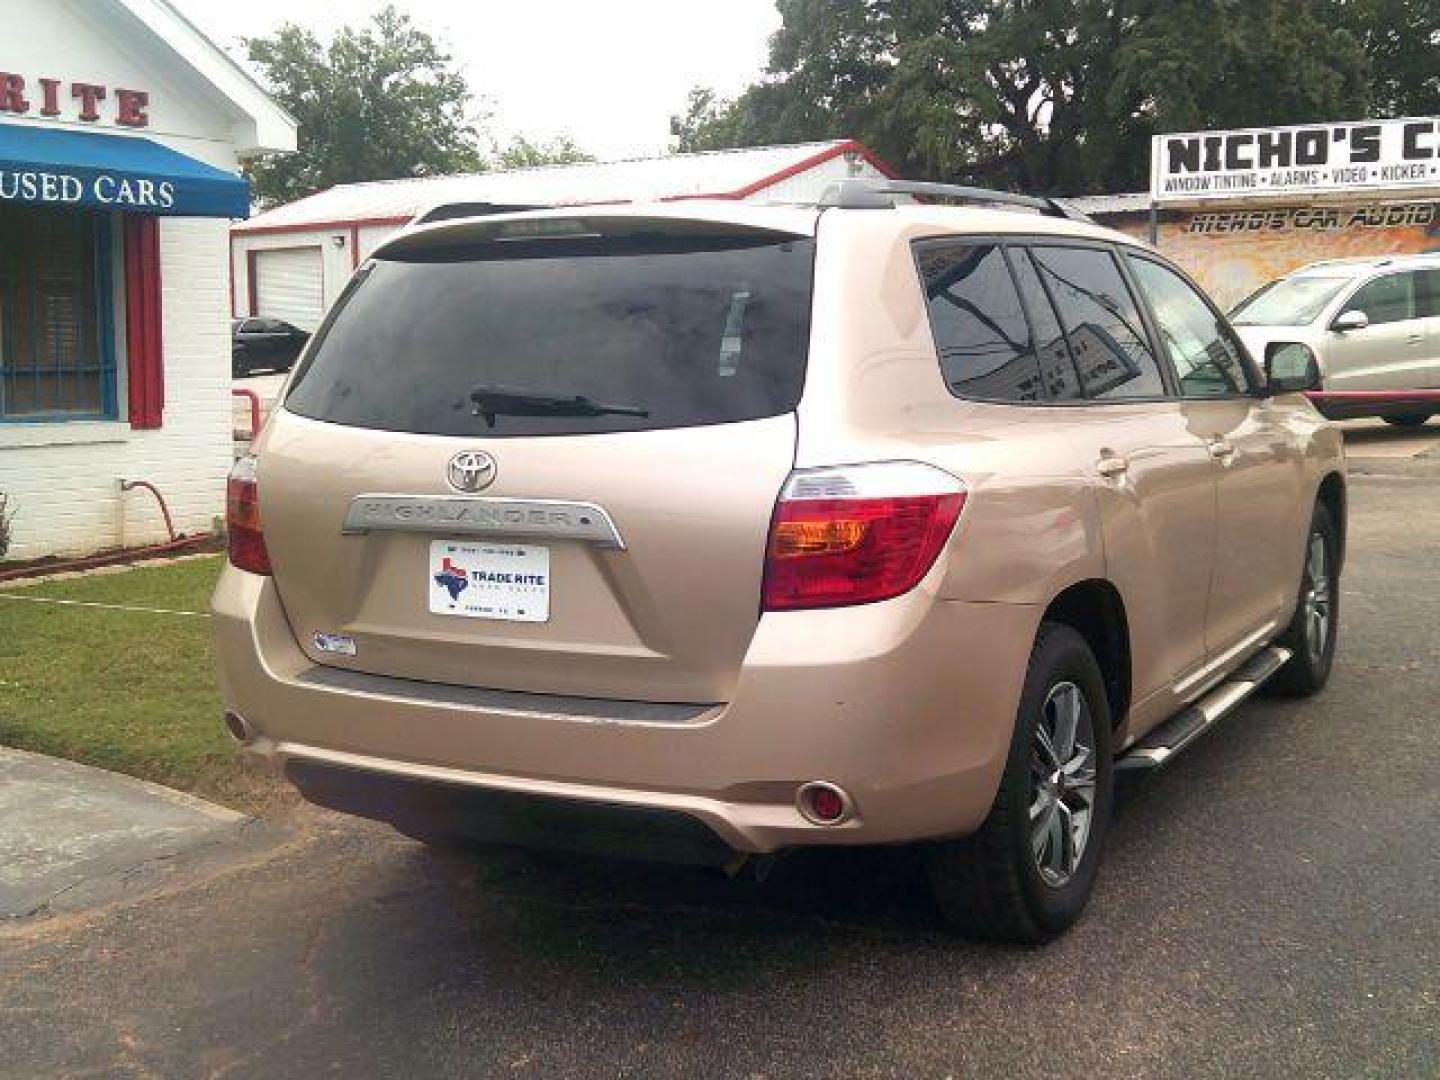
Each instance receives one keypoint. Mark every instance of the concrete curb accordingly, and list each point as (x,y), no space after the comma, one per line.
(73,836)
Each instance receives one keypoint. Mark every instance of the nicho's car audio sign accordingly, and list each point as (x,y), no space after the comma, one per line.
(1315,159)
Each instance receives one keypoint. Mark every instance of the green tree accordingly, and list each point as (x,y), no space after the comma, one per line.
(706,123)
(1401,39)
(377,103)
(1057,96)
(524,154)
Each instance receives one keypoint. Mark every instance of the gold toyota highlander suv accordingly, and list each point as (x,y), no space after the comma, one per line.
(708,530)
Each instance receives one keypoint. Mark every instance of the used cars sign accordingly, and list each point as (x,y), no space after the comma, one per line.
(1311,159)
(65,168)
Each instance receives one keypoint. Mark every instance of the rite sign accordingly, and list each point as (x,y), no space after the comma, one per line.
(1313,159)
(56,98)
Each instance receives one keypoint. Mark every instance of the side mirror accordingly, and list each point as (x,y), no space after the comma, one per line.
(1291,368)
(1351,320)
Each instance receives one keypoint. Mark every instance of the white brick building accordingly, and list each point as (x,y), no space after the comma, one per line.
(121,133)
(291,262)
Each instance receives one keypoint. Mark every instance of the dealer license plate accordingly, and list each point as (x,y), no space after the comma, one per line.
(490,581)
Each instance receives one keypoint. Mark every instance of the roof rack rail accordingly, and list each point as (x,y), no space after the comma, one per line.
(870,194)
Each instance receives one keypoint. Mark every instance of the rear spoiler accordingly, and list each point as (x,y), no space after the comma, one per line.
(454,211)
(456,225)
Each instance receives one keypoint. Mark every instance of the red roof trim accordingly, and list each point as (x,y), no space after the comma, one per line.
(830,153)
(317,226)
(849,146)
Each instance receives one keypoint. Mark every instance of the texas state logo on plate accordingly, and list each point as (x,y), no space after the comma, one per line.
(490,581)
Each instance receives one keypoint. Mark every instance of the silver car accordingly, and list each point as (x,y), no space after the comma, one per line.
(1371,327)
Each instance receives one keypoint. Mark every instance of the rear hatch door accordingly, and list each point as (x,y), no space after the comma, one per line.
(542,454)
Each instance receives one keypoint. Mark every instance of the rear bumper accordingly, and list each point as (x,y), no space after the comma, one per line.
(1354,404)
(908,705)
(495,813)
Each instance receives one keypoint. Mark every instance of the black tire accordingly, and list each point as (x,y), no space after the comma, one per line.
(1308,668)
(991,885)
(1412,420)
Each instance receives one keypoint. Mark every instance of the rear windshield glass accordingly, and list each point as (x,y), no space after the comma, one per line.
(1295,301)
(561,337)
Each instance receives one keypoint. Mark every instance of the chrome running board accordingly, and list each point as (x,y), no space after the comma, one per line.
(1182,729)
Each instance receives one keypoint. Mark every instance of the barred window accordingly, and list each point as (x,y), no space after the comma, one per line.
(56,354)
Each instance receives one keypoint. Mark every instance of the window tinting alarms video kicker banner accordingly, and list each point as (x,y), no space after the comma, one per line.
(1313,159)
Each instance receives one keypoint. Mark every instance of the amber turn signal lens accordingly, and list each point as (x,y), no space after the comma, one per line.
(796,539)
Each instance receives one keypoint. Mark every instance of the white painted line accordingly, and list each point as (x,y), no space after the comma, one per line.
(103,607)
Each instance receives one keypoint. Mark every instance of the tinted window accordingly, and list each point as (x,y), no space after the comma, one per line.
(980,330)
(1107,337)
(1057,369)
(1204,354)
(1385,300)
(687,330)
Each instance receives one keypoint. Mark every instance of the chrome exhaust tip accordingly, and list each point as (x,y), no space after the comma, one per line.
(239,728)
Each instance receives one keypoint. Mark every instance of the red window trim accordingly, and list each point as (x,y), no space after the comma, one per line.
(145,363)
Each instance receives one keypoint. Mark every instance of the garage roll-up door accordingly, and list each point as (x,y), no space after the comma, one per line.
(290,285)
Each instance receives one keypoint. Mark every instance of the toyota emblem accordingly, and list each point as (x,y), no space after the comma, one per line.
(471,471)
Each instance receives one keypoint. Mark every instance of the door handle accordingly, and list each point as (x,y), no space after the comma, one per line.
(1221,450)
(1111,465)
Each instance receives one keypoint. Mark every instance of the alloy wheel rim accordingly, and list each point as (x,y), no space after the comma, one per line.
(1317,600)
(1063,784)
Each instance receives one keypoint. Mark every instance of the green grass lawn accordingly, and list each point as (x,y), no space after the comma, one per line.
(125,690)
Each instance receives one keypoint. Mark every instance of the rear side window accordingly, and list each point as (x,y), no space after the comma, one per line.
(1205,355)
(1101,321)
(980,330)
(1057,368)
(547,337)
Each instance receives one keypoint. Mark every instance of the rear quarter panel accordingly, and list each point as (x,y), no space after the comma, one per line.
(874,392)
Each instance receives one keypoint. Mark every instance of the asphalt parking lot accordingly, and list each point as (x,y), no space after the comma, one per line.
(1268,908)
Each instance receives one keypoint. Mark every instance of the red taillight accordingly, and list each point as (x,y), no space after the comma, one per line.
(858,534)
(242,519)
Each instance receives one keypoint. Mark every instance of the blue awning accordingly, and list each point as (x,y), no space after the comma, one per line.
(52,167)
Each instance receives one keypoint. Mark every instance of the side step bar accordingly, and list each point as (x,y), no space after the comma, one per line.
(1182,729)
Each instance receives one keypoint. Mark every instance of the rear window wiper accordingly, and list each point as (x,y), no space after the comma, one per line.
(492,401)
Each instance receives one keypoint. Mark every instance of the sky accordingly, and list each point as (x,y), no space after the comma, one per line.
(608,75)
